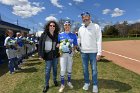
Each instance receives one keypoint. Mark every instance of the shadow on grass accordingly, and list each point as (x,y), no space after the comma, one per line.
(32,64)
(103,83)
(4,68)
(104,60)
(112,84)
(77,83)
(34,59)
(28,70)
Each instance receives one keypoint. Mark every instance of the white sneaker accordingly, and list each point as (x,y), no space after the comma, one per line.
(61,88)
(86,86)
(11,73)
(70,85)
(95,89)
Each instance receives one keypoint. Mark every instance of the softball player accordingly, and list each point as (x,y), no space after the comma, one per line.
(19,47)
(66,60)
(23,46)
(10,44)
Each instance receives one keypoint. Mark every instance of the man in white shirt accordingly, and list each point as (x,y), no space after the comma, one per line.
(90,39)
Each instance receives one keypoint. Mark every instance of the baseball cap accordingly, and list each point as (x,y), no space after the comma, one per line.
(67,22)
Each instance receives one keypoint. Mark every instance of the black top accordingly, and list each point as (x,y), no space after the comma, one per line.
(41,50)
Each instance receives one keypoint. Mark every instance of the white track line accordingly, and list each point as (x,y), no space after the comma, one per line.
(121,56)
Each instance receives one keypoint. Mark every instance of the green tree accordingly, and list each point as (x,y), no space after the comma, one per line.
(110,30)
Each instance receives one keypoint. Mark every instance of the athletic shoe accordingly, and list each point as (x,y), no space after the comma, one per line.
(86,86)
(61,88)
(46,88)
(95,89)
(70,85)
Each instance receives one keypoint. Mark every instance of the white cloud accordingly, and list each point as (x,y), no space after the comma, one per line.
(26,10)
(23,8)
(51,18)
(14,2)
(96,4)
(36,3)
(70,4)
(114,13)
(56,3)
(106,11)
(67,18)
(134,21)
(79,1)
(117,12)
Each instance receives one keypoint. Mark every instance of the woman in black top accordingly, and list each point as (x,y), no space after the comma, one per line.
(49,51)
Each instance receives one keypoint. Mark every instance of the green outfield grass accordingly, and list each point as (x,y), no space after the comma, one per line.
(121,38)
(112,79)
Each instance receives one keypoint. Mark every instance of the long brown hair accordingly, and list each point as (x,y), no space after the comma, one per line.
(57,28)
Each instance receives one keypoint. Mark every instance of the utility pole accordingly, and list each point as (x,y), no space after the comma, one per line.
(33,29)
(0,17)
(17,22)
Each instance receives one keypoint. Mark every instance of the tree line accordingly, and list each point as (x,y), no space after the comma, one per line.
(122,30)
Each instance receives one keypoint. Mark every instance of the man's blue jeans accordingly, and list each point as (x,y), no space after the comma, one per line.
(86,57)
(51,64)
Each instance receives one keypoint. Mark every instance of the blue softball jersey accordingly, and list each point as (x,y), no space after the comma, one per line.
(70,36)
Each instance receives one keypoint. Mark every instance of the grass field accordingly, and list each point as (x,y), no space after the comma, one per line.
(121,38)
(112,78)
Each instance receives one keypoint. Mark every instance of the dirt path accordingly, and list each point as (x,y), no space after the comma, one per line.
(124,53)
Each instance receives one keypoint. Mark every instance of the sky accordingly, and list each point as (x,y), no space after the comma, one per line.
(35,13)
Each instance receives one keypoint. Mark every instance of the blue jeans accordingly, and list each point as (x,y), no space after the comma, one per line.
(51,64)
(11,65)
(86,57)
(15,63)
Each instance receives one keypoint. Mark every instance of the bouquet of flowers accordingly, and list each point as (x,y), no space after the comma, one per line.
(29,41)
(65,47)
(24,40)
(12,43)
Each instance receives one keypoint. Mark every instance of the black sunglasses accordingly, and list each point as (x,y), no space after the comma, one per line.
(85,14)
(52,25)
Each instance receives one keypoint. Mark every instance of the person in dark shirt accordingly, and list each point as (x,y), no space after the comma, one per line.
(48,50)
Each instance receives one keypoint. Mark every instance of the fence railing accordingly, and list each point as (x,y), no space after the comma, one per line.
(129,35)
(133,35)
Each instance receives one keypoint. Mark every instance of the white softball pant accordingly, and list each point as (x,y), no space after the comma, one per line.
(66,62)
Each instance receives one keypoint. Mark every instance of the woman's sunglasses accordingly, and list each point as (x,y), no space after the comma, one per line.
(52,25)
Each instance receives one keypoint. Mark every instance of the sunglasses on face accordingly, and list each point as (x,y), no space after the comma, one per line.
(52,25)
(85,14)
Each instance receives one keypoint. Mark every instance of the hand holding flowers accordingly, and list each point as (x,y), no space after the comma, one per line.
(12,44)
(65,47)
